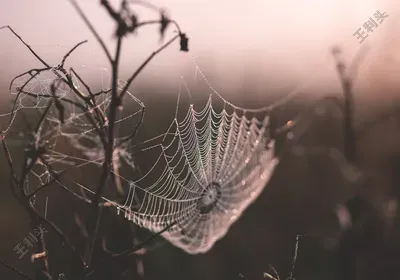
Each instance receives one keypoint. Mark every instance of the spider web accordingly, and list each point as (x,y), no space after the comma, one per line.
(73,142)
(209,165)
(213,165)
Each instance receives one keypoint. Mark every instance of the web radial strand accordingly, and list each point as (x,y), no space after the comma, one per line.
(212,165)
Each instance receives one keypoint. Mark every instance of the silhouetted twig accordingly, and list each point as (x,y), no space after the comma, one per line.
(16,270)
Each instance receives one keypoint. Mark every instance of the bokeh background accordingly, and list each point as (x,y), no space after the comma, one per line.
(253,53)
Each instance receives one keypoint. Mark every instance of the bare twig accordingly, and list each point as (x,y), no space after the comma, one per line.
(296,249)
(42,118)
(61,66)
(55,176)
(141,67)
(60,234)
(42,187)
(277,277)
(135,130)
(92,29)
(26,45)
(20,90)
(348,121)
(137,247)
(107,164)
(8,157)
(347,77)
(16,270)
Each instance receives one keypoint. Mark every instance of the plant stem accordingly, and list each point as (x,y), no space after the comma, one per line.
(94,222)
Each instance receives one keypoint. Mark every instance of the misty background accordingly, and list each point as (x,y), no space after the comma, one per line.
(252,53)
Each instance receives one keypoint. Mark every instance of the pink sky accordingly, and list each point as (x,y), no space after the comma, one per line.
(273,45)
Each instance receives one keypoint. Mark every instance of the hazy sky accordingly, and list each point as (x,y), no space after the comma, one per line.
(267,44)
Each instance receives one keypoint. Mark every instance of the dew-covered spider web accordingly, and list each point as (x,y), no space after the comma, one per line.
(213,165)
(71,141)
(205,169)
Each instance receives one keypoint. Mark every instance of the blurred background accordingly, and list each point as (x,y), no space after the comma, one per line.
(252,53)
